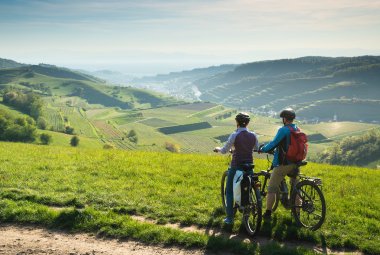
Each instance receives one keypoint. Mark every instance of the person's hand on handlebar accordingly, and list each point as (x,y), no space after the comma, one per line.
(260,148)
(217,149)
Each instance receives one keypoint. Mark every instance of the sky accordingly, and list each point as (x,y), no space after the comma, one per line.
(148,37)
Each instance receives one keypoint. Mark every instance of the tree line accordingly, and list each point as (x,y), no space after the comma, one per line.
(21,129)
(354,150)
(29,103)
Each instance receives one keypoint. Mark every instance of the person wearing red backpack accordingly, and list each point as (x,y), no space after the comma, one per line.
(285,155)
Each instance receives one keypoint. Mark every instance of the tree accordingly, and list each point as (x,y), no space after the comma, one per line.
(132,136)
(42,123)
(69,130)
(74,141)
(46,139)
(132,133)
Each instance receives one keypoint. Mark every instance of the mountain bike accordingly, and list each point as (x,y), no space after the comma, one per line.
(252,211)
(305,199)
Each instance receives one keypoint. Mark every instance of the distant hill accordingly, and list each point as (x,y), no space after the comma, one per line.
(180,84)
(7,63)
(51,80)
(319,88)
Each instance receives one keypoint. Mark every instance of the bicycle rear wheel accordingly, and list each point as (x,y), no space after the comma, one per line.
(252,215)
(308,205)
(223,192)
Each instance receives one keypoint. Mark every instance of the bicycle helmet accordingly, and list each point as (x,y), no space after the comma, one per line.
(288,114)
(242,118)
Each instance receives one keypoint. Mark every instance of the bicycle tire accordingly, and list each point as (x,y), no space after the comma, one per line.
(252,215)
(312,199)
(223,192)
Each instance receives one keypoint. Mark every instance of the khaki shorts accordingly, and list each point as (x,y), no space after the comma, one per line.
(278,174)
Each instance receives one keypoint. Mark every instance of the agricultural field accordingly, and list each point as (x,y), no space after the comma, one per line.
(195,144)
(100,191)
(54,118)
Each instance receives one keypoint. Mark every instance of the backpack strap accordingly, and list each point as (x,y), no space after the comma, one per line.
(292,129)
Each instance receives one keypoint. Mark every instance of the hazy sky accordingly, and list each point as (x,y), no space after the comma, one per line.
(145,36)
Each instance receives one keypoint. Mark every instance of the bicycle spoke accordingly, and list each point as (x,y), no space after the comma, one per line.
(311,212)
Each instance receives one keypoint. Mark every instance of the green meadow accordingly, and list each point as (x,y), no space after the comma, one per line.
(96,190)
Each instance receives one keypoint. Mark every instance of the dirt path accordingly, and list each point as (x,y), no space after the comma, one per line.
(23,240)
(31,240)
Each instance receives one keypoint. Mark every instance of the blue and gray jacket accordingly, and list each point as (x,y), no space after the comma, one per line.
(280,145)
(244,142)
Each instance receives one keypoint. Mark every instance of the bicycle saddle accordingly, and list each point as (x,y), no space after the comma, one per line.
(301,163)
(296,170)
(247,166)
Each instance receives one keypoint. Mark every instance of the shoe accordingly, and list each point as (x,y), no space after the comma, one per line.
(267,215)
(228,221)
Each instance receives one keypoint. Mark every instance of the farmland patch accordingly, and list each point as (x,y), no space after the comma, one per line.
(184,128)
(195,106)
(156,122)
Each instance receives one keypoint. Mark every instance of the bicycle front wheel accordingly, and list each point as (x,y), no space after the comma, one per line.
(308,205)
(252,215)
(223,192)
(264,194)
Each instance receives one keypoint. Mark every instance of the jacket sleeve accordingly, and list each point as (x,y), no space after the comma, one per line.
(281,133)
(229,144)
(256,147)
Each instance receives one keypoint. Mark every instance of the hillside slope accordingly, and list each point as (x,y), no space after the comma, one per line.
(180,84)
(319,88)
(7,63)
(110,186)
(55,81)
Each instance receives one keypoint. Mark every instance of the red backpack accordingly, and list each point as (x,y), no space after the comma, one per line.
(297,149)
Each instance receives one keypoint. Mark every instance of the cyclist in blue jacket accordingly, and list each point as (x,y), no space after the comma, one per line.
(281,167)
(244,142)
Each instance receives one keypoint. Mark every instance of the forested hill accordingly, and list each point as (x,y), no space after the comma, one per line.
(7,63)
(319,88)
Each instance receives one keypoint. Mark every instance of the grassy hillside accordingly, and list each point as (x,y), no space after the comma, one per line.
(111,185)
(54,81)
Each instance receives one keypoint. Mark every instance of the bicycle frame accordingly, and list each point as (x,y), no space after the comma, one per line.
(284,190)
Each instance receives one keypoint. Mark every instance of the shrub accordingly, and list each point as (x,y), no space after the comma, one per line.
(132,136)
(69,130)
(74,141)
(108,146)
(132,133)
(172,147)
(18,133)
(42,123)
(46,139)
(133,139)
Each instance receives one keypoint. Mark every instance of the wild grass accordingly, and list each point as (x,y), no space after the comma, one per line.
(177,188)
